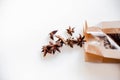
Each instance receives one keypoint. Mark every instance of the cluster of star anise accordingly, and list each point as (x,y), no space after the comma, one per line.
(78,41)
(52,47)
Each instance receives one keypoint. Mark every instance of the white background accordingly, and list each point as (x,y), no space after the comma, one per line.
(24,28)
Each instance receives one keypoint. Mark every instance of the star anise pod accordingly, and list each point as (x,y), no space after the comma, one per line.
(46,49)
(61,39)
(59,43)
(71,42)
(51,48)
(70,30)
(80,40)
(55,47)
(52,34)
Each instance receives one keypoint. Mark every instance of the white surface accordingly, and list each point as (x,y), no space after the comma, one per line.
(24,28)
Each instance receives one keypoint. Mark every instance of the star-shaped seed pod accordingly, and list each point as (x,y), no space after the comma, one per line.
(80,40)
(59,43)
(55,47)
(52,34)
(51,48)
(61,39)
(70,30)
(71,42)
(46,49)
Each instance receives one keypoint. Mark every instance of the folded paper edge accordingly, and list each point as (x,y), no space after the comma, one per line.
(90,57)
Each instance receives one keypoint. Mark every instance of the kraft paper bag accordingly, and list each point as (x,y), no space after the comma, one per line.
(102,42)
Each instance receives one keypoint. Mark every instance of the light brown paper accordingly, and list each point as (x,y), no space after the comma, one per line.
(95,51)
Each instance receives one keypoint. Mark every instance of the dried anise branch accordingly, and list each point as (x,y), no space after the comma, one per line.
(52,34)
(70,30)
